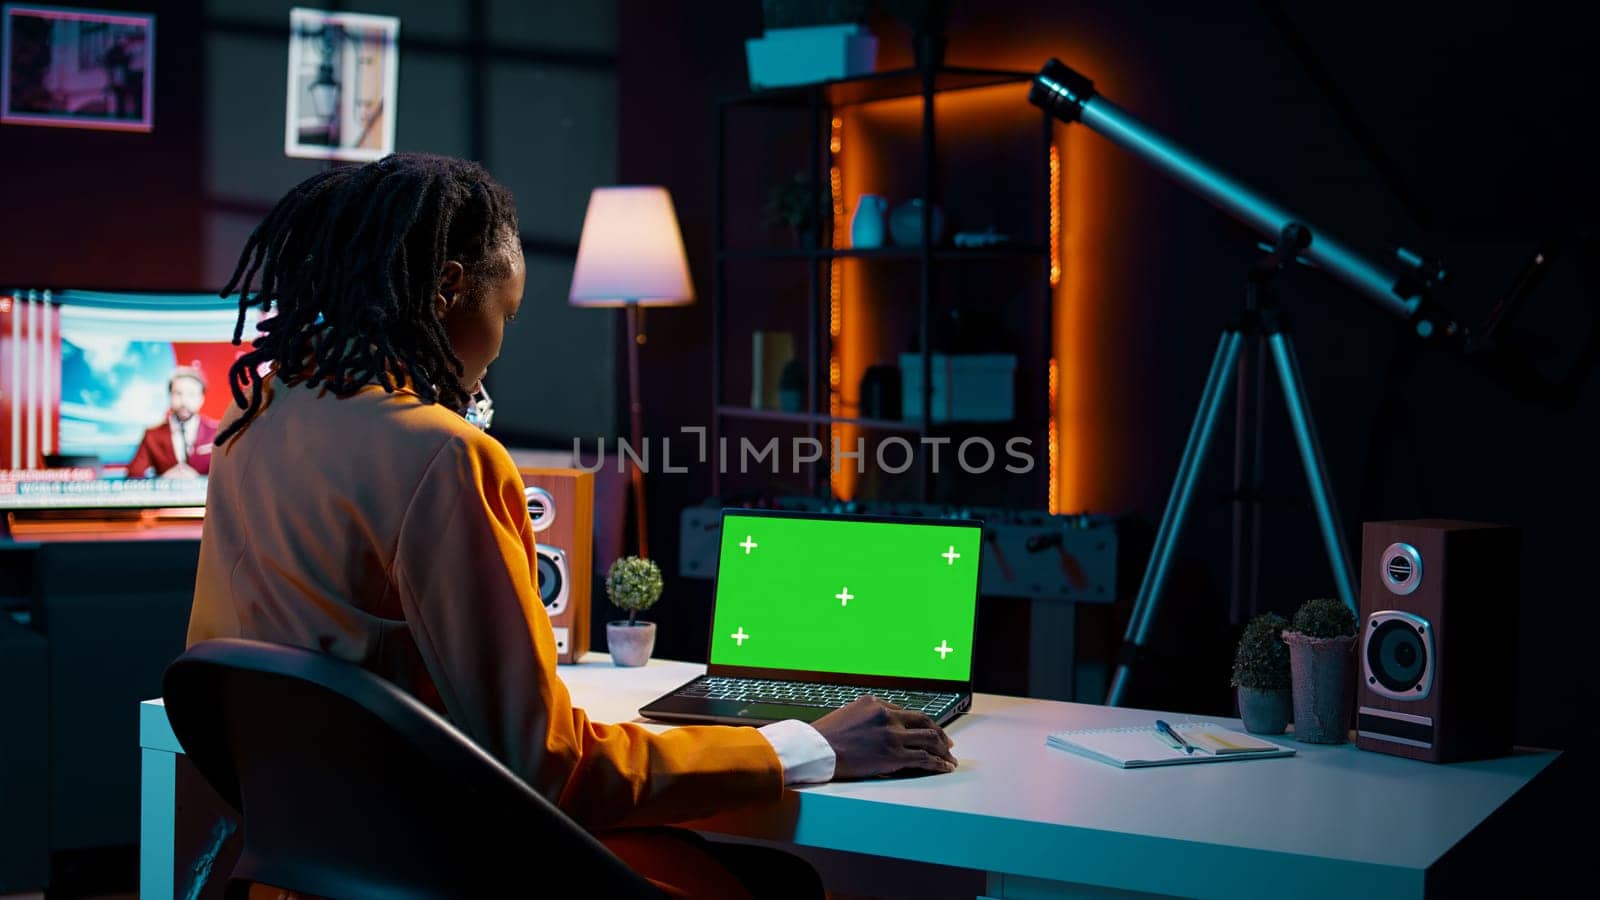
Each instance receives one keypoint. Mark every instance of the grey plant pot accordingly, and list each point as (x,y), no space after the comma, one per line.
(630,645)
(1324,686)
(1264,712)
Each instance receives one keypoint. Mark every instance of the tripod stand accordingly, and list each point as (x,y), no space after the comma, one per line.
(1261,324)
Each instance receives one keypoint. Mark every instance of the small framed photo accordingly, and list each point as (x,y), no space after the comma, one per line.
(342,85)
(78,68)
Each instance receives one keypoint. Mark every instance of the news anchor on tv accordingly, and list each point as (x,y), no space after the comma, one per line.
(179,447)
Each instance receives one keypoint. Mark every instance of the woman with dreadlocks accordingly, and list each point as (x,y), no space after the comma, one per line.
(354,510)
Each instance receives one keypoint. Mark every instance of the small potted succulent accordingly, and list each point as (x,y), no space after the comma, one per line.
(1322,640)
(1261,673)
(633,584)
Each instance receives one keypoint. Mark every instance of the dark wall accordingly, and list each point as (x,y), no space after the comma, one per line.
(674,60)
(111,209)
(1449,131)
(527,89)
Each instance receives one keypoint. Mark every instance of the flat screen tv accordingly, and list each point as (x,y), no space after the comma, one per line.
(109,400)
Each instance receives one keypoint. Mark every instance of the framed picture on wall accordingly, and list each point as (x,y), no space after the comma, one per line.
(78,68)
(343,69)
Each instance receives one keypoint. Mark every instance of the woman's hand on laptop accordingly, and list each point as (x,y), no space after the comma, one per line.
(871,737)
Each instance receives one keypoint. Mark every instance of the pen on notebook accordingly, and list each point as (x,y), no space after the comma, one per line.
(1166,729)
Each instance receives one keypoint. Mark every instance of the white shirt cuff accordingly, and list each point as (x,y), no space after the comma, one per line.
(806,755)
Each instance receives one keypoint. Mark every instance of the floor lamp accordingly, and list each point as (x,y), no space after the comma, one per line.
(631,255)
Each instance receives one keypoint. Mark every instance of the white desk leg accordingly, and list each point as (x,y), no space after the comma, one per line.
(158,786)
(1014,887)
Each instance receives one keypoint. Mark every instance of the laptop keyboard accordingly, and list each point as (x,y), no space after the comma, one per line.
(802,693)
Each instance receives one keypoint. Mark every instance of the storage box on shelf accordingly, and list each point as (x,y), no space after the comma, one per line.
(783,57)
(969,387)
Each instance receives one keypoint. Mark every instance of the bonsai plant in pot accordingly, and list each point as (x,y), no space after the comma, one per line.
(633,584)
(1261,673)
(1322,641)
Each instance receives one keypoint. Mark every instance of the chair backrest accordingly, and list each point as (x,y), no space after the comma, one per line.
(349,787)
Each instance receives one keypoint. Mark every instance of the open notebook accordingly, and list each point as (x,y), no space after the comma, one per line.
(1132,748)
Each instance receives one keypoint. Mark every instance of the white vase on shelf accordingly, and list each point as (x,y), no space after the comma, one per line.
(866,226)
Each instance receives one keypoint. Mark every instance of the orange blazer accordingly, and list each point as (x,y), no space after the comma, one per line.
(390,532)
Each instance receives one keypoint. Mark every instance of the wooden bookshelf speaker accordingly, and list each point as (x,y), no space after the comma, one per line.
(561,503)
(1438,639)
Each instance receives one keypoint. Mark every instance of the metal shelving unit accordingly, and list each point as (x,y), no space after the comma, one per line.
(820,101)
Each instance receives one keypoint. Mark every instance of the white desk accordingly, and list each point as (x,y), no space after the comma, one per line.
(1331,822)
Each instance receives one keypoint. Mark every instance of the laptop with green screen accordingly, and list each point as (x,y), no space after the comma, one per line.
(812,610)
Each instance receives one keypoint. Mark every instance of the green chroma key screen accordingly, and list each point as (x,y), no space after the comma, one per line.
(855,597)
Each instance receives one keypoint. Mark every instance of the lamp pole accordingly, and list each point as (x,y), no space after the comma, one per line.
(636,431)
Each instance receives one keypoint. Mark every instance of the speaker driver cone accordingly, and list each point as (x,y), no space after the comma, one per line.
(1397,655)
(553,584)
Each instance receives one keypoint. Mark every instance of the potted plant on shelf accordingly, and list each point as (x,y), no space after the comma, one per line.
(633,584)
(794,203)
(1322,641)
(1261,673)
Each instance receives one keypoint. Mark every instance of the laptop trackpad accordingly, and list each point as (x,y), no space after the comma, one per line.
(778,711)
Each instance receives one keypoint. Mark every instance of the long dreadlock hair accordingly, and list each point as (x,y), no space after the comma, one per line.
(351,259)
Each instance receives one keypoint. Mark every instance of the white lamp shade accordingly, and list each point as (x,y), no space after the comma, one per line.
(631,251)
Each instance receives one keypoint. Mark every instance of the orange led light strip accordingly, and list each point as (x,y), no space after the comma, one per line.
(1055,444)
(1055,216)
(1054,498)
(835,312)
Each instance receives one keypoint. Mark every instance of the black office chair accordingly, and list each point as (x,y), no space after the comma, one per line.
(349,787)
